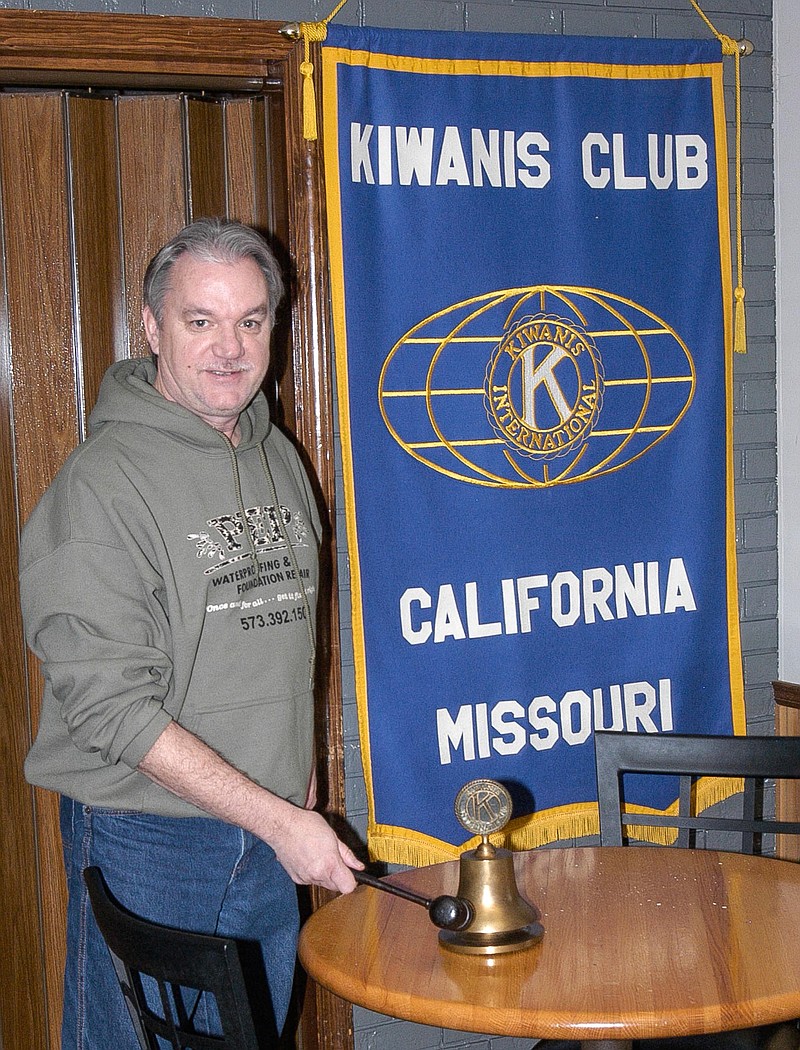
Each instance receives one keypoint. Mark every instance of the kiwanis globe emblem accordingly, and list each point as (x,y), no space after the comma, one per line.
(544,387)
(534,387)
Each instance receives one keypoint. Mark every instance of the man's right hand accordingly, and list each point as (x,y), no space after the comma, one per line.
(311,852)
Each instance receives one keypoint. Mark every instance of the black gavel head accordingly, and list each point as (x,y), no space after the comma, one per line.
(451,913)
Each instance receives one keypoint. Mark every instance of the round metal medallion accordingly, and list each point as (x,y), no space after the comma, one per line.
(483,806)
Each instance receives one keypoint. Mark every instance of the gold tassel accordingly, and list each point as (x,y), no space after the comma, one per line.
(316,31)
(737,48)
(309,101)
(739,327)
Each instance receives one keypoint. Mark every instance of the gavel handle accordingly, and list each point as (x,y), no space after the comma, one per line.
(388,887)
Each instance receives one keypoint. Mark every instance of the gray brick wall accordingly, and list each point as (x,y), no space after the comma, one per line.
(754,373)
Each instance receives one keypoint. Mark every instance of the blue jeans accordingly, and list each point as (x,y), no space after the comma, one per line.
(197,874)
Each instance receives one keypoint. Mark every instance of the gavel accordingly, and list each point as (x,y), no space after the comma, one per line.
(446,912)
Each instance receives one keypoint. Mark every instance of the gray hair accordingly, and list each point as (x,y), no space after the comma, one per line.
(212,240)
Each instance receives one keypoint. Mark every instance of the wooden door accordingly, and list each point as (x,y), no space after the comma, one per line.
(107,147)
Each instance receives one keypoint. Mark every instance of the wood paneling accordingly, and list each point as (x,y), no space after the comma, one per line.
(206,148)
(33,187)
(38,283)
(100,323)
(154,199)
(244,140)
(91,183)
(126,50)
(25,1009)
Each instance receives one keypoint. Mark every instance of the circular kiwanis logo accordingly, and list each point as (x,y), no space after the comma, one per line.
(536,386)
(544,386)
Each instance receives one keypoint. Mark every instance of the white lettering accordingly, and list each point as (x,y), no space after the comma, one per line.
(443,156)
(566,598)
(504,159)
(415,635)
(546,728)
(691,162)
(414,155)
(448,620)
(452,163)
(482,729)
(360,159)
(510,621)
(638,712)
(507,726)
(476,629)
(505,716)
(384,155)
(622,181)
(575,704)
(598,586)
(455,733)
(528,602)
(595,594)
(615,700)
(679,160)
(630,592)
(539,176)
(486,158)
(659,180)
(594,175)
(679,591)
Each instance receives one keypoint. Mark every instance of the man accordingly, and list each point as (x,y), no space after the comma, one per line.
(168,580)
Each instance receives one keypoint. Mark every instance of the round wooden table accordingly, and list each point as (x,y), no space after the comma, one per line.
(639,942)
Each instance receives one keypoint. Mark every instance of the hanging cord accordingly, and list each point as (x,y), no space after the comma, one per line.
(737,48)
(316,32)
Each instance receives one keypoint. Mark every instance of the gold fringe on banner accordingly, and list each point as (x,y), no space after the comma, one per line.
(414,849)
(316,32)
(737,48)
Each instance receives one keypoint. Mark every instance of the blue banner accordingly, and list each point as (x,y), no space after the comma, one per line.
(531,282)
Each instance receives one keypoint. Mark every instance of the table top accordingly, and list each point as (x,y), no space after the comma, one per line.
(639,942)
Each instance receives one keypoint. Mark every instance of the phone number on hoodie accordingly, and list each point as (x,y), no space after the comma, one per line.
(272,619)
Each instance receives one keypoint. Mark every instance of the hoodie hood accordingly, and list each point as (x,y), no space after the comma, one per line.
(128,395)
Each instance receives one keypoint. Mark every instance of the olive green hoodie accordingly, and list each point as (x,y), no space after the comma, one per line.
(166,575)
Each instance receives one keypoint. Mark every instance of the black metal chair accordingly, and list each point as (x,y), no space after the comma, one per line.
(182,965)
(755,760)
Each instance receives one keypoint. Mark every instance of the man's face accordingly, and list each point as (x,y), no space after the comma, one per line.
(213,342)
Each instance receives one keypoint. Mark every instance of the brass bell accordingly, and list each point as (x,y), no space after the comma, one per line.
(503,920)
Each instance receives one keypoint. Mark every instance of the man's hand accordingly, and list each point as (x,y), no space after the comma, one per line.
(312,854)
(303,841)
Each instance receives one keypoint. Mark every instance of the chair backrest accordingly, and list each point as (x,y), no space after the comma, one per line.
(180,966)
(753,758)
